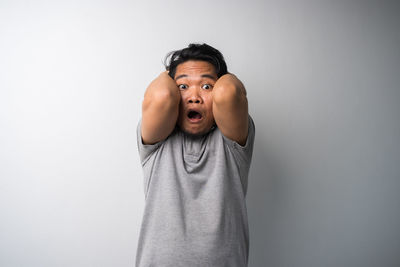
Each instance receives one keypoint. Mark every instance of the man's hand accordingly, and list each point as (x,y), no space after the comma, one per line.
(160,109)
(230,108)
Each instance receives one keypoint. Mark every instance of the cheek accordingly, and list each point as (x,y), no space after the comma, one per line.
(182,101)
(182,94)
(208,101)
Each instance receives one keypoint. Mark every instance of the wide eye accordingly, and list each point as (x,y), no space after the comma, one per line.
(182,86)
(206,86)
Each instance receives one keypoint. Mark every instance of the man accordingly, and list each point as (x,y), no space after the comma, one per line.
(195,142)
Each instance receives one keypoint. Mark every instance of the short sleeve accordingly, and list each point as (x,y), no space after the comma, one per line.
(243,153)
(145,151)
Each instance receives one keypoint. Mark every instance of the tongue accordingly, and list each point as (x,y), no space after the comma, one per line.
(196,116)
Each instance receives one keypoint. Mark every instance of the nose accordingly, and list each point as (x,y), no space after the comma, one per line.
(194,97)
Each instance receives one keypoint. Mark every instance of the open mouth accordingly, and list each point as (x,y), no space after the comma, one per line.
(194,115)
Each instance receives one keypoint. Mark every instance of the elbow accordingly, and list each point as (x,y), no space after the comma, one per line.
(164,100)
(228,93)
(166,96)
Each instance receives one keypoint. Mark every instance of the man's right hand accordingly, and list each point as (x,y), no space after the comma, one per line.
(160,109)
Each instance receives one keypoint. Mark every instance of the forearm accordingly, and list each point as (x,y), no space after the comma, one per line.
(230,108)
(162,89)
(160,109)
(228,88)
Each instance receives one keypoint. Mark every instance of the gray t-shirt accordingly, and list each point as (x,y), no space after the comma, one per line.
(195,211)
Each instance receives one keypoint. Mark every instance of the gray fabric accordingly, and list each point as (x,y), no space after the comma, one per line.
(195,211)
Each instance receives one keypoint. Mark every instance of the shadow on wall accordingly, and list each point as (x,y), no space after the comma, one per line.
(263,196)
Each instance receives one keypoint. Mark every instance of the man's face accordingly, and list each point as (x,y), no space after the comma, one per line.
(195,80)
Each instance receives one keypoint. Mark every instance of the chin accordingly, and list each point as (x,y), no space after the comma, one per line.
(196,132)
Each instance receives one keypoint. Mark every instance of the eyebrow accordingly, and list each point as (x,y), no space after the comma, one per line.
(203,76)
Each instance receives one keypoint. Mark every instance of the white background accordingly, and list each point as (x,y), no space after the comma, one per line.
(323,83)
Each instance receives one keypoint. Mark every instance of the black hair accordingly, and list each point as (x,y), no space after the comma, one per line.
(203,52)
